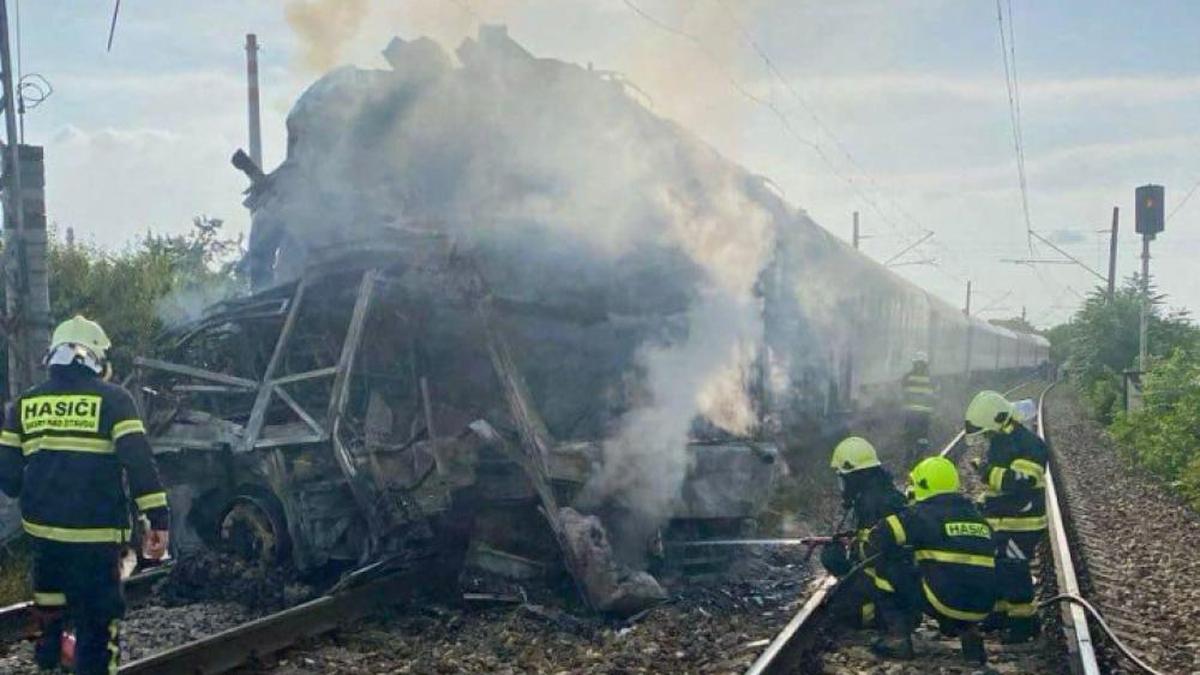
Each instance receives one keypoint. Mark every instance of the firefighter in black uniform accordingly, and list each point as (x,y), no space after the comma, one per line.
(1014,470)
(67,448)
(954,553)
(919,398)
(868,492)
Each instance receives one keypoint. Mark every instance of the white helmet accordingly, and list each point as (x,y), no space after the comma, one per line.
(920,357)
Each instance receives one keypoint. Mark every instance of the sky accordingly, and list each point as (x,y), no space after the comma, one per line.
(897,109)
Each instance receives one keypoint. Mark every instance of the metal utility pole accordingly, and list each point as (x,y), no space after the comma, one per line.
(26,323)
(1148,222)
(1112,255)
(252,99)
(856,237)
(1144,320)
(14,221)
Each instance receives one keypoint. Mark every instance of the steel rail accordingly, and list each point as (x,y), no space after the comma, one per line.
(16,619)
(1080,648)
(259,639)
(791,644)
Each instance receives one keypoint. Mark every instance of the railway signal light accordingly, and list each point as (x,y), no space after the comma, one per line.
(1149,211)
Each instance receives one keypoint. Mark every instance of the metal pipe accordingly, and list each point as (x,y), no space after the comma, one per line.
(252,99)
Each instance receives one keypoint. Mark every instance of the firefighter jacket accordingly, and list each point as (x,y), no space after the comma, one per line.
(872,496)
(1015,474)
(68,446)
(919,392)
(953,549)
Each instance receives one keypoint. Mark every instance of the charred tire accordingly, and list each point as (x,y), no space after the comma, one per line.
(253,526)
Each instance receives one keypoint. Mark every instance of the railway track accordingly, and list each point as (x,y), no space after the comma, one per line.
(803,645)
(15,619)
(361,594)
(803,642)
(1136,543)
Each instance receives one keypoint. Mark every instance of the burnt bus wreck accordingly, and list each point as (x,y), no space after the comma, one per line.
(376,407)
(502,312)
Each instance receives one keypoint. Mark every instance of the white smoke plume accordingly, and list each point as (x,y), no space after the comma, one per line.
(560,164)
(325,27)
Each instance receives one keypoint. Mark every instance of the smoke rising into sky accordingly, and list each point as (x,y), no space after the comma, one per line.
(324,28)
(505,145)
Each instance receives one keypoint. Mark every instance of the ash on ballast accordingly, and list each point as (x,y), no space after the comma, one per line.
(714,626)
(208,576)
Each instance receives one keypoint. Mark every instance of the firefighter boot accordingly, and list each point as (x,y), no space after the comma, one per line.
(972,646)
(47,650)
(897,642)
(894,647)
(97,647)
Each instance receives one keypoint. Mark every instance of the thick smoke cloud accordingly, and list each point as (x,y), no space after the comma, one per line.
(324,28)
(566,184)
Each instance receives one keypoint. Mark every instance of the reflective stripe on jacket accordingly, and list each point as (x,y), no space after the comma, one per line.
(953,548)
(919,392)
(69,447)
(1015,474)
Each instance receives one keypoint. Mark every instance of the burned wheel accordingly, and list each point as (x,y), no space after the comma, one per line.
(253,527)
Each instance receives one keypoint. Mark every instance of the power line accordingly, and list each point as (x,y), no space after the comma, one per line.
(811,111)
(112,28)
(783,118)
(1184,201)
(1007,47)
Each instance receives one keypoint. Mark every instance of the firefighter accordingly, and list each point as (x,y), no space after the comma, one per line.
(952,545)
(868,492)
(1014,471)
(919,397)
(68,447)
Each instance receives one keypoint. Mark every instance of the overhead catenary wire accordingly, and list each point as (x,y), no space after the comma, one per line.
(1008,51)
(112,27)
(808,108)
(1183,201)
(784,120)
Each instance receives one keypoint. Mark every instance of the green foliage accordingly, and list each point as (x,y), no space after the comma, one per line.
(1163,436)
(1101,341)
(136,292)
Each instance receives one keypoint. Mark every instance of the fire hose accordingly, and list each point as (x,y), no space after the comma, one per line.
(1062,597)
(1095,614)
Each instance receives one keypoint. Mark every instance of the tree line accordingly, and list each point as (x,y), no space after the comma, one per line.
(139,290)
(1100,343)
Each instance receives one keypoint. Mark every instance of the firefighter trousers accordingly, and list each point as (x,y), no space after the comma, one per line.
(1016,610)
(878,596)
(916,437)
(81,582)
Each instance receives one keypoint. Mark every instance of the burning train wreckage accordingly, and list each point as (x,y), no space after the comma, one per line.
(505,316)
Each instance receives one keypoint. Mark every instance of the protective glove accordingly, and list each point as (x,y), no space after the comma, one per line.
(834,560)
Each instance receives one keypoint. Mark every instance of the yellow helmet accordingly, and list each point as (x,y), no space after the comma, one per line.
(988,411)
(932,476)
(83,332)
(852,454)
